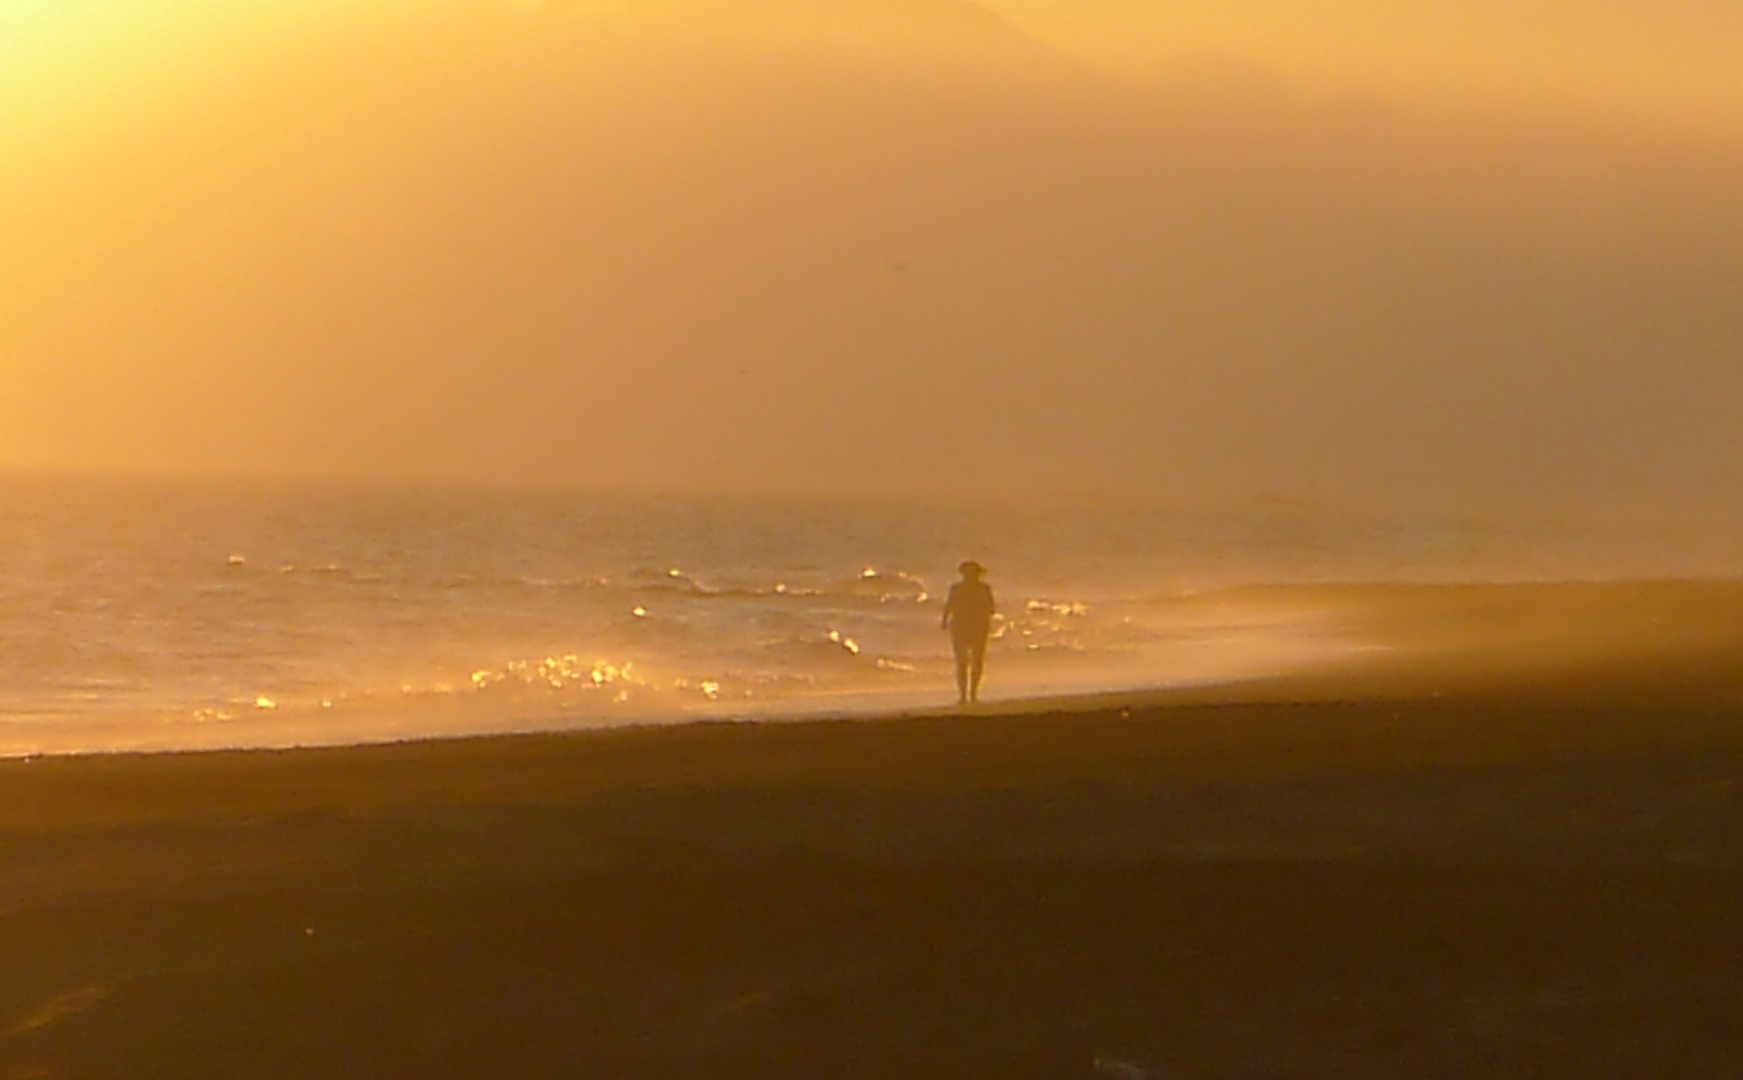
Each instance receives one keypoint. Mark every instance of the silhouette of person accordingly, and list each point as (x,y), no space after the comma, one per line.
(968,615)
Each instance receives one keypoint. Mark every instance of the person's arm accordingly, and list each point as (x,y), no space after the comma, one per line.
(949,607)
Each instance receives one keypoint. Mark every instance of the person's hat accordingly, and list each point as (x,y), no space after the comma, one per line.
(970,568)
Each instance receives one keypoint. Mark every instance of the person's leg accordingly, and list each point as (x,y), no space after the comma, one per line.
(977,664)
(960,648)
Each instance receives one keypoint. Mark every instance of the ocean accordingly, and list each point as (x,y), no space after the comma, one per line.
(178,615)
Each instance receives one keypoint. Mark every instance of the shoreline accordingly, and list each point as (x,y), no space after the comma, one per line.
(1580,641)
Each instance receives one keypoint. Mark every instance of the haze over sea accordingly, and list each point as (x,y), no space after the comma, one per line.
(154,615)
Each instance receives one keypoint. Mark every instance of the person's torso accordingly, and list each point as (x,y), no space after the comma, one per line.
(971,603)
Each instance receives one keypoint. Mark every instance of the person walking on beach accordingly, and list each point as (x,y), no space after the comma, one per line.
(968,615)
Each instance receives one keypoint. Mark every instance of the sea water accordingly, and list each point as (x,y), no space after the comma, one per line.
(140,614)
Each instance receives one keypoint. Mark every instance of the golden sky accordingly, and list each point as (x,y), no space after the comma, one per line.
(1670,59)
(1401,251)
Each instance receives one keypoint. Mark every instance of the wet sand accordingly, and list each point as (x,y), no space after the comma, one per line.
(1440,864)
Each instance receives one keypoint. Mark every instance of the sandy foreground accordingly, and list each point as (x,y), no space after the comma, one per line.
(1443,865)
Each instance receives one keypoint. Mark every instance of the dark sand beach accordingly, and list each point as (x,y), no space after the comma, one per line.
(1497,850)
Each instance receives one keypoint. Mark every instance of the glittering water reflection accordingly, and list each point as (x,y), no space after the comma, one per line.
(211,612)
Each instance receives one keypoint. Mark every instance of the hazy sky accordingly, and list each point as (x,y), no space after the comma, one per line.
(1465,251)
